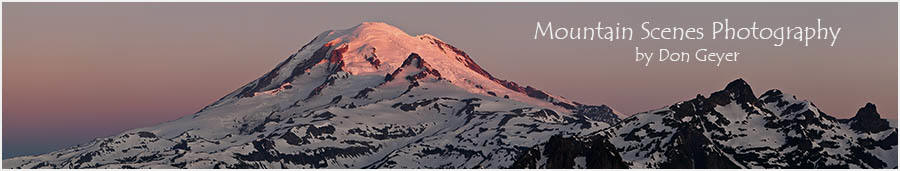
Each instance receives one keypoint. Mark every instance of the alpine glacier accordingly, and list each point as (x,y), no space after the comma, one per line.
(370,96)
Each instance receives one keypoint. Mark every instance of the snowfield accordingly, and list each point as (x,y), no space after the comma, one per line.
(370,96)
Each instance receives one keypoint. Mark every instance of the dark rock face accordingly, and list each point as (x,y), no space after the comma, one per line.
(528,159)
(144,134)
(738,90)
(561,153)
(602,155)
(414,60)
(598,113)
(694,152)
(266,81)
(868,120)
(535,93)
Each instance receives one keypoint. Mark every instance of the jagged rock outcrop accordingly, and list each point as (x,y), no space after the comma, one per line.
(735,129)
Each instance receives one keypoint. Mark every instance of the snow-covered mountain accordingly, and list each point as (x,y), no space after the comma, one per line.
(371,96)
(732,128)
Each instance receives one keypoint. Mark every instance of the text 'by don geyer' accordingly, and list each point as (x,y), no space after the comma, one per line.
(664,55)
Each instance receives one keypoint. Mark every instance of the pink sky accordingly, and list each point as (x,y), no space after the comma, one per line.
(74,72)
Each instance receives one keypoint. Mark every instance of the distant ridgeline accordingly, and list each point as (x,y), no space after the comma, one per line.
(731,128)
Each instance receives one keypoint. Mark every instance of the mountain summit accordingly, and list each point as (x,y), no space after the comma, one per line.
(378,49)
(370,96)
(868,120)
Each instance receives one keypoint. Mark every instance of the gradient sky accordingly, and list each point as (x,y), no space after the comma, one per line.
(73,72)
